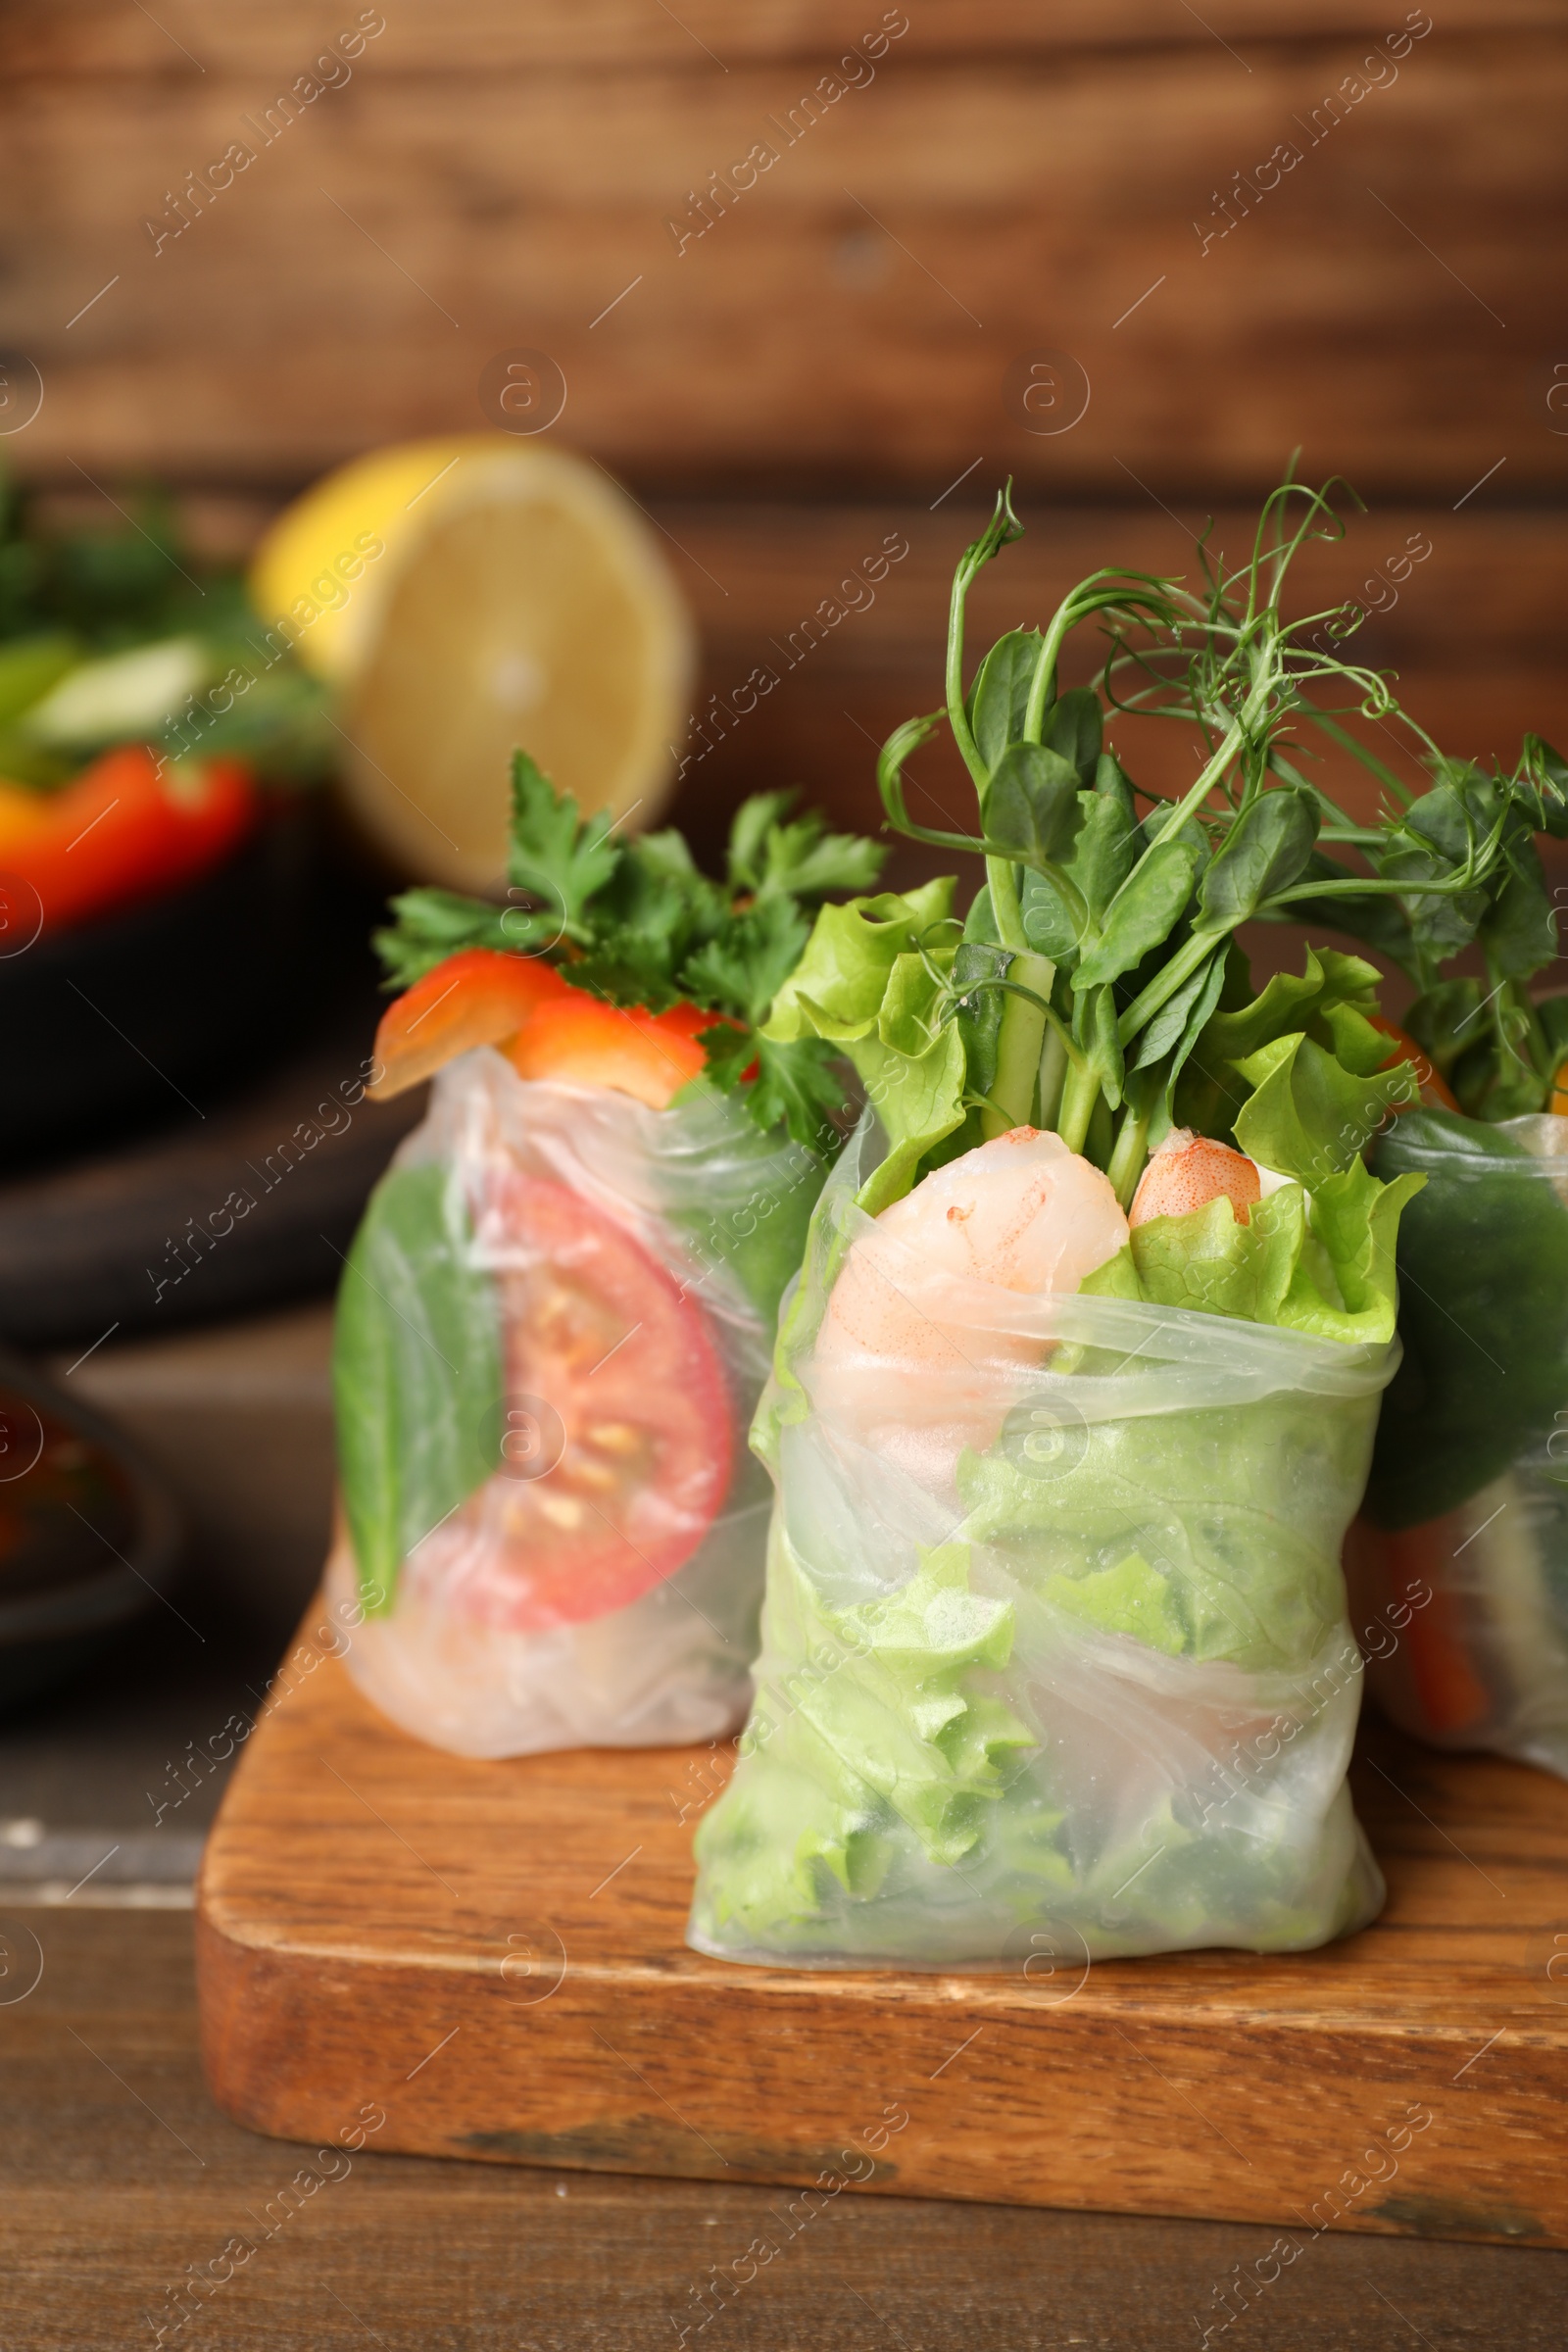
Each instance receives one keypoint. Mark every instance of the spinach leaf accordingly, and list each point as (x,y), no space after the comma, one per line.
(1377,918)
(1443,1021)
(1439,926)
(1170,1021)
(1493,1081)
(1105,848)
(1552,1015)
(1483,1265)
(1520,930)
(416,1372)
(1096,1027)
(1548,771)
(981,920)
(1198,1019)
(1095,852)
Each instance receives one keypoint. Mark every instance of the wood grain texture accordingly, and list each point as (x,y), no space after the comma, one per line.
(120,2182)
(86,38)
(861,315)
(498,1948)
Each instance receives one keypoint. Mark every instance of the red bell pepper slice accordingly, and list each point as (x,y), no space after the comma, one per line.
(586,1042)
(1436,1091)
(479,997)
(545,1026)
(130,826)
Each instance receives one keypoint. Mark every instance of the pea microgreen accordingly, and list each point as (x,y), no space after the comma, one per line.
(1101,951)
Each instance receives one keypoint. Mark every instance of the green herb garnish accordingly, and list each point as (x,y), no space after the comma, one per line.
(1094,977)
(635,923)
(127,634)
(1443,871)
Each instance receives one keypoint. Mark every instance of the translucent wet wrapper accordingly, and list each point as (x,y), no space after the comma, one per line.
(551,1335)
(1459,1562)
(1055,1651)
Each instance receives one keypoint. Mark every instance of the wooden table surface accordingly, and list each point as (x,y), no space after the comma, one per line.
(488,1958)
(117,2173)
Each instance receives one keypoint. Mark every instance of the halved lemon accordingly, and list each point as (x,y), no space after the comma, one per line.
(466,597)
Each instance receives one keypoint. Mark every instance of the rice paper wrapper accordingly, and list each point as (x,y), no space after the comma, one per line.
(1055,1656)
(552,1332)
(1458,1566)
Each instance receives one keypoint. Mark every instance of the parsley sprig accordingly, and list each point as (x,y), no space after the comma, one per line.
(635,923)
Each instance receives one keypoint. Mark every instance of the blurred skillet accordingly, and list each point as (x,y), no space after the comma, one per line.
(106,1025)
(88,1540)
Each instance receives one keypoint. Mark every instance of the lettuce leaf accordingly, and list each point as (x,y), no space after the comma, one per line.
(1132,1597)
(1307,1116)
(1330,1002)
(908,1017)
(1212,1263)
(1344,1285)
(871,980)
(876,1729)
(1170,1527)
(919,1102)
(837,988)
(1328,982)
(1327,1270)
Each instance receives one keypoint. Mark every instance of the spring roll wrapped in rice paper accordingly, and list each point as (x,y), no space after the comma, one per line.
(1459,1562)
(1077,1393)
(546,1363)
(557,1312)
(1059,1645)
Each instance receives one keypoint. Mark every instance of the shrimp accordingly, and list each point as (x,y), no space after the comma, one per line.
(906,1359)
(1188,1171)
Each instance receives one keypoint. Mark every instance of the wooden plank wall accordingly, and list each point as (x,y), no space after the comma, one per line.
(1337,224)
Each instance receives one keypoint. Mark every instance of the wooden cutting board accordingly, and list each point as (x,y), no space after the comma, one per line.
(489,1956)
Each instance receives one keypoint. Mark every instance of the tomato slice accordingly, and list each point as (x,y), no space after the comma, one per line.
(618,1423)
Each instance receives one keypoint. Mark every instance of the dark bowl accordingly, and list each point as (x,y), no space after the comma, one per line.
(88,1538)
(115,1024)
